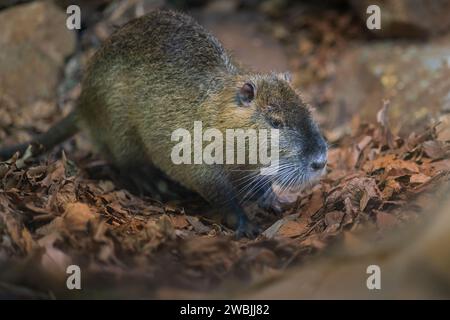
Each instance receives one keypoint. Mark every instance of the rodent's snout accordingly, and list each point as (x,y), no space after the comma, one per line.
(318,160)
(318,165)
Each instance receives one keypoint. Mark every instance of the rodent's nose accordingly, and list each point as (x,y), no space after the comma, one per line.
(318,165)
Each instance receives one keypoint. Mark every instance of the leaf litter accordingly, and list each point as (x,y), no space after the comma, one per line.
(53,213)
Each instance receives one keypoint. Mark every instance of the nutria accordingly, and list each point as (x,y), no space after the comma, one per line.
(164,71)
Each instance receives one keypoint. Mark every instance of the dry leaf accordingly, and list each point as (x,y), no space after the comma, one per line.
(419,178)
(179,221)
(435,149)
(198,225)
(292,228)
(77,216)
(314,204)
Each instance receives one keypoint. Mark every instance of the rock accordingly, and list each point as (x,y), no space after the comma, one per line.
(240,34)
(273,8)
(34,44)
(222,6)
(408,18)
(415,77)
(9,3)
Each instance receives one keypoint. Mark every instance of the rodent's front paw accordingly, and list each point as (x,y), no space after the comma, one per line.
(248,230)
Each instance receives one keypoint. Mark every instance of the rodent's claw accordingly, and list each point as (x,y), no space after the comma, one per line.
(270,204)
(248,230)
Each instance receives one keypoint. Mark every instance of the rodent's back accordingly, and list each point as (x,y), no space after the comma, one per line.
(169,44)
(151,77)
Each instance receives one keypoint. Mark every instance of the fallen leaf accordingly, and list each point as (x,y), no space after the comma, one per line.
(438,166)
(77,216)
(443,128)
(334,218)
(20,235)
(392,166)
(198,225)
(383,119)
(179,221)
(391,186)
(55,172)
(273,229)
(419,178)
(291,228)
(314,204)
(436,149)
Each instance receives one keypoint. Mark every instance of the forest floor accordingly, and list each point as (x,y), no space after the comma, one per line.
(66,208)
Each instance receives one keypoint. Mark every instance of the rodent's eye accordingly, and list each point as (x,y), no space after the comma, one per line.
(276,123)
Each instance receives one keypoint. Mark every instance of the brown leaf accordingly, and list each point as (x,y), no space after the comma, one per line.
(293,228)
(198,225)
(334,218)
(358,191)
(379,163)
(179,221)
(19,235)
(383,119)
(315,204)
(55,172)
(392,186)
(273,229)
(53,227)
(437,166)
(314,242)
(392,166)
(77,216)
(435,149)
(106,186)
(359,148)
(36,172)
(443,128)
(419,178)
(166,227)
(350,209)
(364,200)
(62,195)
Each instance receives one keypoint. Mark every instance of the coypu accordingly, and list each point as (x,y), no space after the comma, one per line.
(164,71)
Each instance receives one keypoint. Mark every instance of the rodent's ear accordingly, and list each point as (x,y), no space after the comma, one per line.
(247,93)
(286,76)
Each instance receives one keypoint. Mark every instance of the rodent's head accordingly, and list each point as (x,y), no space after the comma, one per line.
(270,102)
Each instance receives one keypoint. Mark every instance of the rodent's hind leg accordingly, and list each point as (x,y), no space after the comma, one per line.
(236,216)
(221,193)
(138,182)
(245,227)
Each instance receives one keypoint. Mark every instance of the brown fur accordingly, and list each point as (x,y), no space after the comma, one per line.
(162,72)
